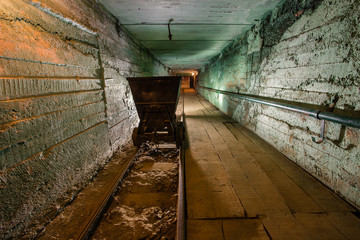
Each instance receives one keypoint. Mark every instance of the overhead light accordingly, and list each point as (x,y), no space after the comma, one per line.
(193,74)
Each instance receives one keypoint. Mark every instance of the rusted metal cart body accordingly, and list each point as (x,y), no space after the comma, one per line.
(156,100)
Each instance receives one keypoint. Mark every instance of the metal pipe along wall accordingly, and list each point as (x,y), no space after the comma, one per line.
(322,115)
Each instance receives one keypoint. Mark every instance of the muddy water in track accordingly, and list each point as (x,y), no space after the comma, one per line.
(145,207)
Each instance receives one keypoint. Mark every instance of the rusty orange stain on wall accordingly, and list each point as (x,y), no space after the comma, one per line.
(299,13)
(353,136)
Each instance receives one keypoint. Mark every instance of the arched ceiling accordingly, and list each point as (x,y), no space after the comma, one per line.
(200,28)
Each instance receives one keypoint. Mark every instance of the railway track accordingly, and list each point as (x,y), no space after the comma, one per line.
(144,192)
(146,200)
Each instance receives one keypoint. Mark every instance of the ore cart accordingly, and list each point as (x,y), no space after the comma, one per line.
(156,101)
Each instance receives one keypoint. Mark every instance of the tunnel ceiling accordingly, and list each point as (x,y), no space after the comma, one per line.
(200,28)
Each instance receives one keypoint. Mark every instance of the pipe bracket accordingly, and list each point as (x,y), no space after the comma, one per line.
(322,133)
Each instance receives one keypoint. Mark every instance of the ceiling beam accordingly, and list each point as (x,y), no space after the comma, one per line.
(188,24)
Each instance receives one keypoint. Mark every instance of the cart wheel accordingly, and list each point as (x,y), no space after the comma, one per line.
(179,134)
(135,137)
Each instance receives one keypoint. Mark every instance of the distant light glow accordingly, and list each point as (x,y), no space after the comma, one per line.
(221,99)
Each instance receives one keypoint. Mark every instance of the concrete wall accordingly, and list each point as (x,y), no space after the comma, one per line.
(65,105)
(305,52)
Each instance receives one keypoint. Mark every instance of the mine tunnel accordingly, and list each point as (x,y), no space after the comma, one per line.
(268,109)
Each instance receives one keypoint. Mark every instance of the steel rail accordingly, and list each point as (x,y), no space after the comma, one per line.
(180,225)
(94,218)
(181,217)
(318,114)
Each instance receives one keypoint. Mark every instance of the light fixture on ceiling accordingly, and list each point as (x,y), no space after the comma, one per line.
(170,36)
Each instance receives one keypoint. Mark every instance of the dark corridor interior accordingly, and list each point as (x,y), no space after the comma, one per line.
(270,104)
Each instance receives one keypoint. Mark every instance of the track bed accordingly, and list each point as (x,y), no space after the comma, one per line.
(145,207)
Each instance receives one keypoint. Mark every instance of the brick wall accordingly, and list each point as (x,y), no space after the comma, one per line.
(305,52)
(65,105)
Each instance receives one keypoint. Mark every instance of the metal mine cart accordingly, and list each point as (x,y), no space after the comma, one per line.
(156,100)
